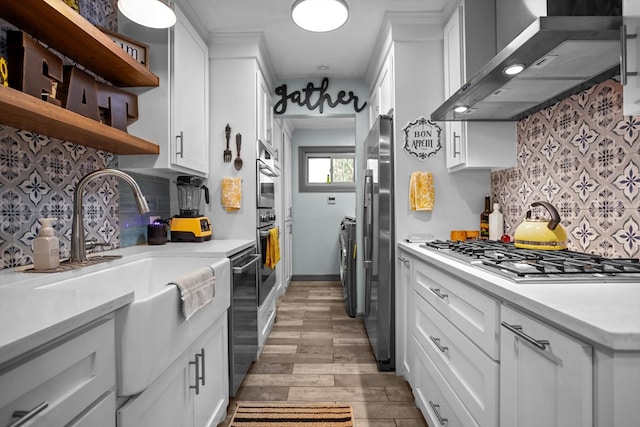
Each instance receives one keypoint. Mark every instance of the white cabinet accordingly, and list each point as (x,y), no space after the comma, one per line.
(266,319)
(192,392)
(67,382)
(405,318)
(469,42)
(382,98)
(264,113)
(631,90)
(288,252)
(546,376)
(174,115)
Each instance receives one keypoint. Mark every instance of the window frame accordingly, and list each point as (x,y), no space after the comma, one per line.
(331,151)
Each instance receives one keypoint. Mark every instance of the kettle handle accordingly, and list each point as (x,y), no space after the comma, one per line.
(555,216)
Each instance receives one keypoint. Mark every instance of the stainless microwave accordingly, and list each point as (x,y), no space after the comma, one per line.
(266,174)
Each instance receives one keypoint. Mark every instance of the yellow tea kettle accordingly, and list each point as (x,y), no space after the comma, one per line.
(541,233)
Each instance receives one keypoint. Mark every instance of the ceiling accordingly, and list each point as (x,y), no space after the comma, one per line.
(296,53)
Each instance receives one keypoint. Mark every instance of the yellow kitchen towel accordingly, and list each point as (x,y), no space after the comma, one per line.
(273,248)
(231,193)
(196,290)
(421,191)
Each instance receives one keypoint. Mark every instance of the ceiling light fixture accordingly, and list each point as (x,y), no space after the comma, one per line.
(460,108)
(319,16)
(149,13)
(514,69)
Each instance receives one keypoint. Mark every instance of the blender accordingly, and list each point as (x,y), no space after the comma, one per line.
(189,225)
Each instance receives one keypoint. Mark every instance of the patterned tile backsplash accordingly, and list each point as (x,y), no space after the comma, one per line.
(582,156)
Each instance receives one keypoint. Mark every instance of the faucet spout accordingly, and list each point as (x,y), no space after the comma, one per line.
(78,248)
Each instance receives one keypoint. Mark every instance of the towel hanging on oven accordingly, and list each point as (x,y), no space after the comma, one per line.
(273,248)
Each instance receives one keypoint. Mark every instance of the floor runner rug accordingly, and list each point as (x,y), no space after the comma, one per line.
(261,414)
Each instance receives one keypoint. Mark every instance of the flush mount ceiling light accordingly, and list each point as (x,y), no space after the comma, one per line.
(149,13)
(514,69)
(460,108)
(319,15)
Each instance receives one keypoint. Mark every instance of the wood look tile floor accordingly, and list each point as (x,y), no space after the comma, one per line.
(317,353)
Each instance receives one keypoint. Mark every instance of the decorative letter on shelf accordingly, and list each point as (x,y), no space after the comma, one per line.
(422,138)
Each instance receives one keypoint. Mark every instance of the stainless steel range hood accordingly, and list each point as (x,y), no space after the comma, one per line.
(561,54)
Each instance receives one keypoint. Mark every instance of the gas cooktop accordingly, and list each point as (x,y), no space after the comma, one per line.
(538,266)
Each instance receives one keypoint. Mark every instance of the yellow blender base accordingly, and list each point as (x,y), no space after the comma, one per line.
(190,229)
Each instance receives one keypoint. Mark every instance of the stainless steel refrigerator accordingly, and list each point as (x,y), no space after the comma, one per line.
(379,242)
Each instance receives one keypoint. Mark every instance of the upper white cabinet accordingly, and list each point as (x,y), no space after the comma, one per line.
(546,376)
(176,114)
(264,111)
(631,90)
(469,42)
(381,99)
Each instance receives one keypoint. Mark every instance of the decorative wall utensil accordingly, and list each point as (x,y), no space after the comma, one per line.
(237,163)
(227,153)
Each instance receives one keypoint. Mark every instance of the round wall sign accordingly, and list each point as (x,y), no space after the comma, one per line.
(422,138)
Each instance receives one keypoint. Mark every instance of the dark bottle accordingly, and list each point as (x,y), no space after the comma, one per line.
(484,219)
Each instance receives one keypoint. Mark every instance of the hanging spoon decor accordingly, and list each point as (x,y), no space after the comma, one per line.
(237,163)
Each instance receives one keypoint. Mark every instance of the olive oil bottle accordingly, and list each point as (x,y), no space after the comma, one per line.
(484,219)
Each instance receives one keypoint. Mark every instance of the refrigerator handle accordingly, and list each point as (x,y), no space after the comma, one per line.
(368,238)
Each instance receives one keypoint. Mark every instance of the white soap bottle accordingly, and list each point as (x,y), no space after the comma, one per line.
(496,223)
(46,247)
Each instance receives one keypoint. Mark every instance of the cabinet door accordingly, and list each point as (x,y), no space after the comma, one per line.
(101,414)
(453,53)
(385,87)
(405,307)
(263,109)
(210,404)
(455,144)
(550,386)
(190,103)
(631,90)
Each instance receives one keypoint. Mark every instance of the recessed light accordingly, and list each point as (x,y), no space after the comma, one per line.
(319,15)
(460,108)
(514,69)
(323,67)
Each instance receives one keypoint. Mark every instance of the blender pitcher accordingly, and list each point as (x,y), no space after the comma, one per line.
(189,189)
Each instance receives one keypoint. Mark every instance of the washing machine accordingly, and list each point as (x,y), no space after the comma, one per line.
(348,263)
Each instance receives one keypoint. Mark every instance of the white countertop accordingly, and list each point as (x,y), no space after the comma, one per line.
(31,317)
(603,314)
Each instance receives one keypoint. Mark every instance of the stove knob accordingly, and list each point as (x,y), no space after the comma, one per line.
(272,217)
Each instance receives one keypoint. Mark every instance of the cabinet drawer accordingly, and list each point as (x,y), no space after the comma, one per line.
(68,377)
(437,401)
(470,373)
(471,311)
(102,414)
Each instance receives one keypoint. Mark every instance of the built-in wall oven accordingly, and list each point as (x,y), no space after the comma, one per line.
(267,176)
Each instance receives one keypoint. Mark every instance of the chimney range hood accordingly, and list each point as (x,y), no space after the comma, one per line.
(561,54)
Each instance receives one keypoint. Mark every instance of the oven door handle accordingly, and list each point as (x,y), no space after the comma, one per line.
(266,169)
(240,270)
(266,233)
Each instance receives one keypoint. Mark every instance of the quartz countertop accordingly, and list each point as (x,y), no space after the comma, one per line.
(603,314)
(30,317)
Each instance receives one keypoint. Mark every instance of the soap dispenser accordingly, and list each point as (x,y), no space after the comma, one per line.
(46,247)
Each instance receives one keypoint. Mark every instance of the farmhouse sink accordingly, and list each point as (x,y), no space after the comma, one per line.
(151,332)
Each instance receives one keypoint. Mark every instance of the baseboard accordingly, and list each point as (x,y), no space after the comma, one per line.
(315,278)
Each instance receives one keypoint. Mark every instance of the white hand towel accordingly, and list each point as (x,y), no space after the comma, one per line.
(196,290)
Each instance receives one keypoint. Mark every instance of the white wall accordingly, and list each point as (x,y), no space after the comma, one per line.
(315,222)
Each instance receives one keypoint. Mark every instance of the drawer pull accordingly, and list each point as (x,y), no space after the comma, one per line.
(181,152)
(196,362)
(27,415)
(439,293)
(436,341)
(436,411)
(517,329)
(403,260)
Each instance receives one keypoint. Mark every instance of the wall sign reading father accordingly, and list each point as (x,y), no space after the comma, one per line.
(315,97)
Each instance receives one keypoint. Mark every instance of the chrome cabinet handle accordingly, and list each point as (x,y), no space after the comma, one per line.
(181,137)
(436,411)
(197,364)
(623,54)
(436,341)
(456,152)
(403,260)
(439,293)
(202,363)
(27,415)
(517,329)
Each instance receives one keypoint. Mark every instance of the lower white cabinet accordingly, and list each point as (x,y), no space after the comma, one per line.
(546,376)
(192,392)
(65,382)
(266,319)
(405,310)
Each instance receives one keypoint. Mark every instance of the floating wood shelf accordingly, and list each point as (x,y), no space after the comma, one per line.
(27,112)
(65,30)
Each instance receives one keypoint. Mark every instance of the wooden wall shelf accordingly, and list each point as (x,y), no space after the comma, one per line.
(65,30)
(27,112)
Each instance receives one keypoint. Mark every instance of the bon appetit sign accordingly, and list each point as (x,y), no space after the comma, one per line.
(422,138)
